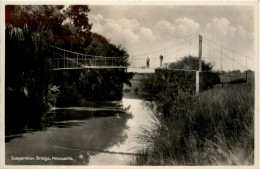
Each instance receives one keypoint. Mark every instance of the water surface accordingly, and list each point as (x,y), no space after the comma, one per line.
(82,136)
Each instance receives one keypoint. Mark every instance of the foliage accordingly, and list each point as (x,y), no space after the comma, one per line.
(204,129)
(78,27)
(208,129)
(170,82)
(96,84)
(30,30)
(190,63)
(208,80)
(237,81)
(248,71)
(79,16)
(235,71)
(165,85)
(53,94)
(207,77)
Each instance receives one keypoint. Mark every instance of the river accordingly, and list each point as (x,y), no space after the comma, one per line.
(74,137)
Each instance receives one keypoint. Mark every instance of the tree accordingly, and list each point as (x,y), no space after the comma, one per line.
(78,17)
(102,84)
(190,63)
(207,77)
(31,29)
(235,71)
(248,71)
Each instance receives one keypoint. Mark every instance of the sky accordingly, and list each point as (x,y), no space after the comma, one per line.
(149,31)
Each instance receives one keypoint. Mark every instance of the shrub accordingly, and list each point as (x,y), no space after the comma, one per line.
(213,128)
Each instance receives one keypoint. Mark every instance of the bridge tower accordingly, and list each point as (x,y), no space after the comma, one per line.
(200,66)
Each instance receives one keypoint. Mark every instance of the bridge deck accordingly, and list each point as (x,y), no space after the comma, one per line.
(92,67)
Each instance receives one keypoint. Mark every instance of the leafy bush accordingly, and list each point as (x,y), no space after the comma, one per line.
(208,80)
(238,81)
(172,81)
(213,128)
(207,77)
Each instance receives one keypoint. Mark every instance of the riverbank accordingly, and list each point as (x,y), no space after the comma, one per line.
(215,127)
(101,139)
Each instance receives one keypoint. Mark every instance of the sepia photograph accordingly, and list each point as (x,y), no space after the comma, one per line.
(130,84)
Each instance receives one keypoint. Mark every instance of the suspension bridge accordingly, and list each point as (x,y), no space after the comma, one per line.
(221,57)
(65,60)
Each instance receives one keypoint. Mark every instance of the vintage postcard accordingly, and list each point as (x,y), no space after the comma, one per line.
(126,84)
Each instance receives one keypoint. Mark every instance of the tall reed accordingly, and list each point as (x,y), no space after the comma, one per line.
(215,127)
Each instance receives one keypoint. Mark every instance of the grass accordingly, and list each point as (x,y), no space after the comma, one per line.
(215,127)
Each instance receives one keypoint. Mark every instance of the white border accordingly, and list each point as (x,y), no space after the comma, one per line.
(129,2)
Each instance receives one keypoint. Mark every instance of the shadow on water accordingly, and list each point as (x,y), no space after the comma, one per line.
(54,117)
(76,132)
(23,118)
(95,134)
(8,138)
(70,133)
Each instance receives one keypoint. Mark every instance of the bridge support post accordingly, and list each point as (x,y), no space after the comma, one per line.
(200,52)
(197,82)
(200,66)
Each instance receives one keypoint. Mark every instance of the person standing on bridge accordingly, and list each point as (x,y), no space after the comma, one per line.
(161,60)
(147,62)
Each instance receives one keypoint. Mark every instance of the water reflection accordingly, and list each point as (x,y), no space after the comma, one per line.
(96,137)
(17,122)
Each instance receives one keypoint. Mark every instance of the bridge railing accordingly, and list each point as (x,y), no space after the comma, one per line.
(67,59)
(102,61)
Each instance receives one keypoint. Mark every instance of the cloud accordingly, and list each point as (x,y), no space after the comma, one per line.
(235,37)
(95,18)
(127,32)
(164,28)
(181,28)
(220,27)
(186,27)
(138,38)
(131,24)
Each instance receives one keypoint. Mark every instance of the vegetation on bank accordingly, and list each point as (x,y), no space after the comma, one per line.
(171,82)
(215,127)
(30,84)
